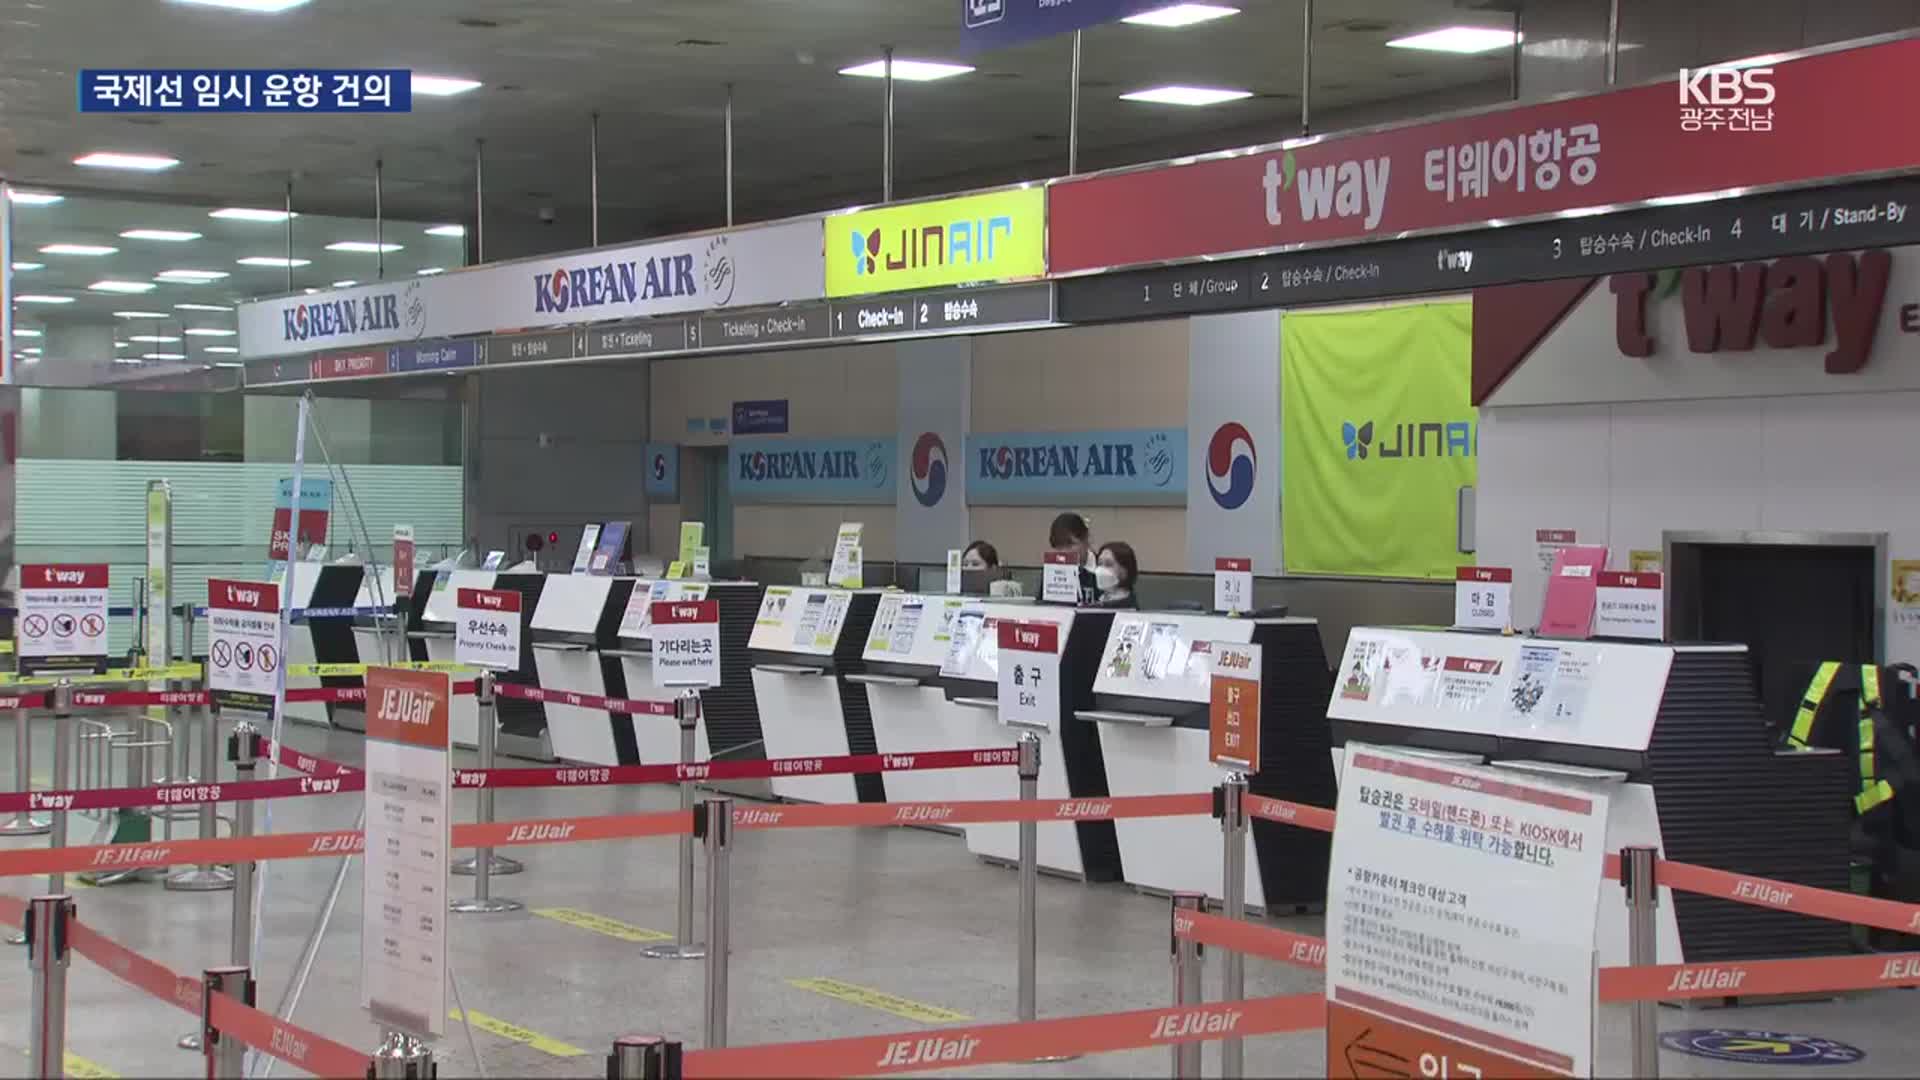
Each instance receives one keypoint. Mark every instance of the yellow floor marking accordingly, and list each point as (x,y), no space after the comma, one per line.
(600,924)
(881,1000)
(79,1068)
(493,1025)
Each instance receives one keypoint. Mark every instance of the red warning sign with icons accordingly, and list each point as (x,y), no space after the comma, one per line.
(63,617)
(243,642)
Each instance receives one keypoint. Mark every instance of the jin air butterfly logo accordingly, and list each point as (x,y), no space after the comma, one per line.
(1358,439)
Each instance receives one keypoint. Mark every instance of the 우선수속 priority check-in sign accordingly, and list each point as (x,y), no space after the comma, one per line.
(63,617)
(1029,674)
(243,642)
(487,633)
(686,643)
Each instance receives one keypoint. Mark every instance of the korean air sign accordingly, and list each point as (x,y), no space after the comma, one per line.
(398,313)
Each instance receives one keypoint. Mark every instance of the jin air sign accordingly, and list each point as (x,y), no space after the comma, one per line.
(992,237)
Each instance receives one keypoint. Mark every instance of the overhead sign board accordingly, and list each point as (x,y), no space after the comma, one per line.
(435,356)
(63,616)
(763,265)
(243,642)
(994,236)
(990,24)
(1609,149)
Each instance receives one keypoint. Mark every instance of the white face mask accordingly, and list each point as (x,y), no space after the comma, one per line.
(1105,578)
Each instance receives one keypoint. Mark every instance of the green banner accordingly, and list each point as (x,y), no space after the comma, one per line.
(1378,435)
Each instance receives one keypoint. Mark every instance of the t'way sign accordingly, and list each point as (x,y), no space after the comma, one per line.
(1029,674)
(63,617)
(243,642)
(488,632)
(686,643)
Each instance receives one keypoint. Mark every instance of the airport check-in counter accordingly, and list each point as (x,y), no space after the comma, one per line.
(323,640)
(369,644)
(1071,763)
(909,641)
(1672,734)
(805,643)
(655,739)
(1151,701)
(565,639)
(435,632)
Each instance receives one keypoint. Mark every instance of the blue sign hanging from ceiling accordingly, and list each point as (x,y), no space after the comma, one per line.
(1761,1047)
(990,24)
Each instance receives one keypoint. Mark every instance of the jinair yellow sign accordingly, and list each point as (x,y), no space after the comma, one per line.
(998,236)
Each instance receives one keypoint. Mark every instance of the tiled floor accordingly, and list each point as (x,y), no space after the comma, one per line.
(904,913)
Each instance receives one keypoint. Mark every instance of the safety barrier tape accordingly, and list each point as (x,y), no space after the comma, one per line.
(298,1047)
(1745,978)
(178,794)
(1289,813)
(987,1044)
(330,671)
(306,763)
(1300,950)
(11,702)
(972,812)
(112,675)
(584,701)
(1783,895)
(308,614)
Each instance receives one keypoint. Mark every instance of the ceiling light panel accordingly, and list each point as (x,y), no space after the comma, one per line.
(38,298)
(248,213)
(362,247)
(200,307)
(34,198)
(170,236)
(23,267)
(907,70)
(441,85)
(257,7)
(158,339)
(77,249)
(273,261)
(122,286)
(1457,39)
(1191,96)
(447,230)
(103,159)
(1175,16)
(208,331)
(141,315)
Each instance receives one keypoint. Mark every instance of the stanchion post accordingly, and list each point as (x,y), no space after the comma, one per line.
(243,748)
(488,742)
(1233,886)
(1188,962)
(483,899)
(1028,765)
(400,1056)
(686,709)
(226,1055)
(643,1057)
(714,821)
(62,775)
(46,930)
(1643,936)
(207,877)
(23,823)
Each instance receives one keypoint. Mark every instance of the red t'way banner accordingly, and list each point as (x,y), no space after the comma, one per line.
(1814,118)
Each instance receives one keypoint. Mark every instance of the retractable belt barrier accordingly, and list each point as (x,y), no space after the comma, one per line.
(153,673)
(623,706)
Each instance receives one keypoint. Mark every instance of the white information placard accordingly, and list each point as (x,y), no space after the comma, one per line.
(1483,597)
(243,641)
(403,927)
(847,571)
(583,555)
(1630,604)
(487,633)
(1029,674)
(1059,578)
(686,643)
(637,618)
(1460,915)
(1232,585)
(954,556)
(63,615)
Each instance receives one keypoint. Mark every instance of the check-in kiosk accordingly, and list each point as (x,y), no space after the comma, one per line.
(1071,761)
(436,633)
(1150,704)
(565,637)
(655,740)
(326,639)
(909,641)
(1672,734)
(805,643)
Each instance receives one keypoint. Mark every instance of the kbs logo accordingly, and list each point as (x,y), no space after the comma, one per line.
(1231,464)
(928,470)
(1726,98)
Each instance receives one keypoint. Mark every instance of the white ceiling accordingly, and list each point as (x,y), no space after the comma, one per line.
(806,138)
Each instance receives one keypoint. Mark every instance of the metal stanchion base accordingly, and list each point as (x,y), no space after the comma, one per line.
(490,904)
(185,812)
(213,879)
(189,1041)
(470,865)
(671,951)
(1052,1058)
(19,938)
(24,825)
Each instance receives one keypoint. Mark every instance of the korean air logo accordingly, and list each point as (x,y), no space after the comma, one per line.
(928,472)
(1231,461)
(866,249)
(1358,439)
(659,466)
(981,12)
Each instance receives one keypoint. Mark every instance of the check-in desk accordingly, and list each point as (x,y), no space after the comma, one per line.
(1151,700)
(327,640)
(564,637)
(909,641)
(436,633)
(1071,762)
(373,636)
(1673,735)
(655,740)
(805,643)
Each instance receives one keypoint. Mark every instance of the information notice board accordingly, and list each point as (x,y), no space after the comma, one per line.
(403,929)
(1460,921)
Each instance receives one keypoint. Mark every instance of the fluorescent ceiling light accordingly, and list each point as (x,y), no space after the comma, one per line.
(119,344)
(907,70)
(163,356)
(28,359)
(228,363)
(21,331)
(101,159)
(1457,39)
(361,247)
(122,286)
(261,7)
(36,298)
(140,315)
(447,230)
(248,213)
(310,292)
(431,270)
(23,267)
(208,331)
(77,249)
(172,236)
(1175,16)
(200,307)
(271,260)
(441,86)
(34,198)
(191,277)
(224,350)
(1186,95)
(126,359)
(347,284)
(164,339)
(35,351)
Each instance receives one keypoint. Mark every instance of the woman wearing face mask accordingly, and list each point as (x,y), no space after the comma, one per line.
(1115,574)
(1069,533)
(980,555)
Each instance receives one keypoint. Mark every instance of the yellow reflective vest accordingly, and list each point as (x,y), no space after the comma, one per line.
(1873,790)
